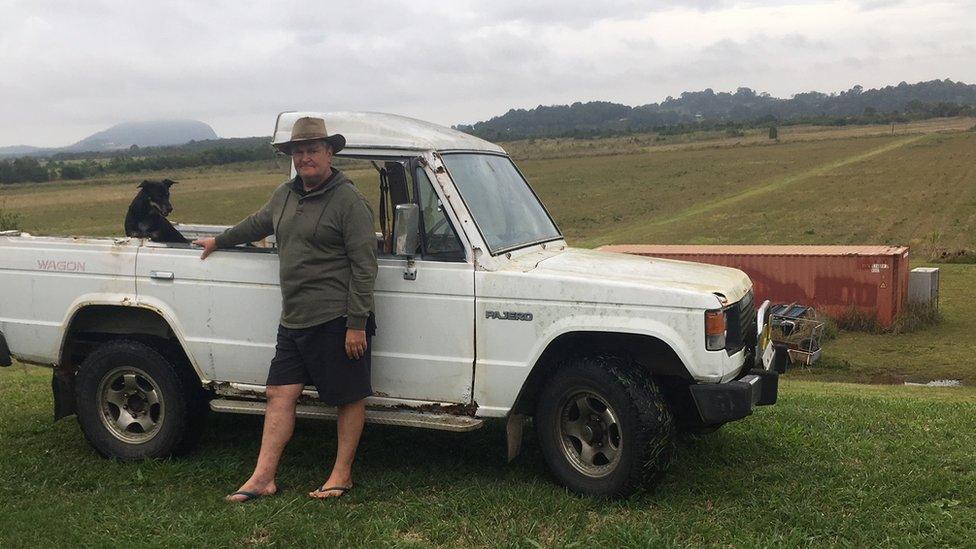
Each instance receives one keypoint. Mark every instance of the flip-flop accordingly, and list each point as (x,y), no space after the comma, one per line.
(248,496)
(341,489)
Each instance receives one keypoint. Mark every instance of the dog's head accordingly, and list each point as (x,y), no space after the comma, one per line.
(158,194)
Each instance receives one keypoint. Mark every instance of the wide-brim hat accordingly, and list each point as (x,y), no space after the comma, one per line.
(311,129)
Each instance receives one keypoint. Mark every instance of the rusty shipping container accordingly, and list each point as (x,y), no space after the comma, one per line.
(872,279)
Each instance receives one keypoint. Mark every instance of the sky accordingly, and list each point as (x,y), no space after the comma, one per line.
(71,68)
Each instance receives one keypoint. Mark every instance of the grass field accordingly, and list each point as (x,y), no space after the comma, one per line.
(917,190)
(817,185)
(531,149)
(830,464)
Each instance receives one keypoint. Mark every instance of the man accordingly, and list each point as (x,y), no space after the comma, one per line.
(327,254)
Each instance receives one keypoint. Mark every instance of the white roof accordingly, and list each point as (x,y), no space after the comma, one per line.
(375,133)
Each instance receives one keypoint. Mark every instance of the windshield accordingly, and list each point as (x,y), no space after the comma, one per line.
(506,210)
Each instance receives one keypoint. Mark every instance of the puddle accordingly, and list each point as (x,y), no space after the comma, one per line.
(937,383)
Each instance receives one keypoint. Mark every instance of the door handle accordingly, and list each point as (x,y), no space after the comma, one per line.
(410,272)
(161,275)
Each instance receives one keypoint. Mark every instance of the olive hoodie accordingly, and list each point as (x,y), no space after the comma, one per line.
(326,250)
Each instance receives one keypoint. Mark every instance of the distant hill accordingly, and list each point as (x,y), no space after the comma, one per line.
(19,150)
(156,133)
(727,109)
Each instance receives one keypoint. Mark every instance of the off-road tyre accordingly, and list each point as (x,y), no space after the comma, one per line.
(164,402)
(198,398)
(644,432)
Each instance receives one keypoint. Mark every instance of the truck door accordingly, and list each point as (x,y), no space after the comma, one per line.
(424,343)
(227,306)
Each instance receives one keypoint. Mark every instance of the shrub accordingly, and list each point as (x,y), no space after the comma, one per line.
(916,316)
(943,255)
(9,220)
(830,329)
(72,171)
(856,320)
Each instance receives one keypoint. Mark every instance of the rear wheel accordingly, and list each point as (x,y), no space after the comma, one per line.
(133,403)
(604,427)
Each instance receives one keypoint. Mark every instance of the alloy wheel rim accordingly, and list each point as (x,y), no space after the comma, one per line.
(589,433)
(130,405)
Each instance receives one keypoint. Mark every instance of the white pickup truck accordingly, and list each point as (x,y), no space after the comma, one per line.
(483,312)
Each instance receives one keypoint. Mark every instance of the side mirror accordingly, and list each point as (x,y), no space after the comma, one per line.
(406,235)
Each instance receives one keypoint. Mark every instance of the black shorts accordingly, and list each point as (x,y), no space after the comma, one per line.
(317,355)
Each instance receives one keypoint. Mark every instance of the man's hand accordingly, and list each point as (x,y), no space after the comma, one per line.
(208,244)
(355,343)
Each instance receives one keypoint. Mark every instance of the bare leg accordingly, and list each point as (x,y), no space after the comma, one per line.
(352,416)
(279,423)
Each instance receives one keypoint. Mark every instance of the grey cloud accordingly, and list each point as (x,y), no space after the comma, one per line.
(868,5)
(581,14)
(71,68)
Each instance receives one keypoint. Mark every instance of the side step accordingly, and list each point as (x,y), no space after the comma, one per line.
(403,418)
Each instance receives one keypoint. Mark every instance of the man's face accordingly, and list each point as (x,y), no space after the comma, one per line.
(313,161)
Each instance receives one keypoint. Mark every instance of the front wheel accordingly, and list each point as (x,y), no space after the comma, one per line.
(134,404)
(604,427)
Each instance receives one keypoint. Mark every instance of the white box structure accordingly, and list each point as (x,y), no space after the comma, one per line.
(923,286)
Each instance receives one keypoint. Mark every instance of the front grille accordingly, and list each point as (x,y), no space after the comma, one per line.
(740,325)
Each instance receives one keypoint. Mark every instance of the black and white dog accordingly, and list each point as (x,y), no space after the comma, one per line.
(146,217)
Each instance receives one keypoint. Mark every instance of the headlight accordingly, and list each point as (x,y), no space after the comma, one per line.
(715,330)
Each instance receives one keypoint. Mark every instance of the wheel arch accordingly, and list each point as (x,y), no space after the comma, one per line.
(93,321)
(653,353)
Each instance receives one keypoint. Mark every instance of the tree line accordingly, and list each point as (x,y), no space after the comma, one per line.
(706,109)
(82,165)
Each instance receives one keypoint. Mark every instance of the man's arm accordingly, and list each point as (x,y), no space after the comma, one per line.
(360,244)
(256,226)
